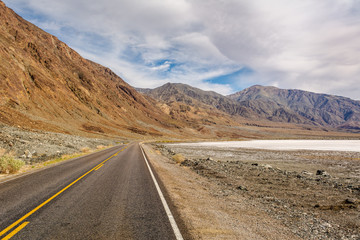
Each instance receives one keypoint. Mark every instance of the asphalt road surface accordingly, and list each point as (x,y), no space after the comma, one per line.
(105,195)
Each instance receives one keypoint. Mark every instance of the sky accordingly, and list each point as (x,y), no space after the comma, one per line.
(219,45)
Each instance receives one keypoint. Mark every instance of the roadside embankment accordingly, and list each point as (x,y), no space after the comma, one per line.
(37,146)
(23,151)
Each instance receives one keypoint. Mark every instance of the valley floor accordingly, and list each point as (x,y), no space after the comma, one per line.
(224,193)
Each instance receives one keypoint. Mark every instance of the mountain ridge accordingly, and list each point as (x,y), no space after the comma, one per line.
(49,86)
(324,109)
(271,103)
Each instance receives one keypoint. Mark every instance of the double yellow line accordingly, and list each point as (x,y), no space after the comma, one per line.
(16,230)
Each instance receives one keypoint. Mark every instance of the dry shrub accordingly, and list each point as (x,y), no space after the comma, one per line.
(2,151)
(100,147)
(85,149)
(178,158)
(9,164)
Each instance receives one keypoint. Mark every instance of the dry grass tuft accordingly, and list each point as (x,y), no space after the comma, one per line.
(85,149)
(178,158)
(9,164)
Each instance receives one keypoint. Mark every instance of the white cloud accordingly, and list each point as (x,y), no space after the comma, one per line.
(308,44)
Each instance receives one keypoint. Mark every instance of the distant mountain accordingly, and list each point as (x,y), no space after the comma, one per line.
(181,101)
(178,92)
(322,109)
(47,85)
(267,104)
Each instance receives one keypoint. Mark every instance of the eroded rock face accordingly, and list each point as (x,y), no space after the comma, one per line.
(46,85)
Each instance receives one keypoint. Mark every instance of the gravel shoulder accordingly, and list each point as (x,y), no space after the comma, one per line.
(206,208)
(262,194)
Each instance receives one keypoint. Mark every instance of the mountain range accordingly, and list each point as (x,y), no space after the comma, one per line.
(302,106)
(268,103)
(48,86)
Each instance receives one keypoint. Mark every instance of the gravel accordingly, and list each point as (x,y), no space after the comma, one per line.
(36,146)
(316,194)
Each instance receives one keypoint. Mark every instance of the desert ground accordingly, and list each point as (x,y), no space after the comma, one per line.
(246,193)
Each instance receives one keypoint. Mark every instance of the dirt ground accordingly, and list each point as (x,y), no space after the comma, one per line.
(262,194)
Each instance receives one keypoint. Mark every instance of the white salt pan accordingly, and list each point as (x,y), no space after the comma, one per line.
(325,145)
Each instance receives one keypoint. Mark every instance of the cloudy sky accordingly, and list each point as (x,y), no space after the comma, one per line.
(220,45)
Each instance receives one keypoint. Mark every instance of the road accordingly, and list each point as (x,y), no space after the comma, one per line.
(105,195)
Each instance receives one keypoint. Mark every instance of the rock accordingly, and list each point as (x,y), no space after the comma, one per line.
(242,188)
(254,164)
(322,173)
(11,144)
(349,201)
(267,166)
(209,159)
(187,163)
(28,154)
(306,173)
(327,225)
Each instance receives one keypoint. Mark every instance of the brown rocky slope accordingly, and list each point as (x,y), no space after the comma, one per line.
(48,86)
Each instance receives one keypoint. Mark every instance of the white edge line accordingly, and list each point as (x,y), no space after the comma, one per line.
(166,206)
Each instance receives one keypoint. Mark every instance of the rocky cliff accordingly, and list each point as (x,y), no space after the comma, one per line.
(47,85)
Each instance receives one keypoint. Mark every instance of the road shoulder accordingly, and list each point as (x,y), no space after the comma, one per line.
(208,215)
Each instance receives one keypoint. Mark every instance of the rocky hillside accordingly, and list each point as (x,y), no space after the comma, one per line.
(48,86)
(321,109)
(207,112)
(172,93)
(265,104)
(178,92)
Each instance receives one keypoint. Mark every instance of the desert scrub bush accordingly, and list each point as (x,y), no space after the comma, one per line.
(178,158)
(99,147)
(85,149)
(9,164)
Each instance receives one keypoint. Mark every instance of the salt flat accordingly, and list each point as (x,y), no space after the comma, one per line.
(325,145)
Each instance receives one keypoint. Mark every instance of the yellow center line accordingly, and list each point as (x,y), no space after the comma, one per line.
(99,167)
(16,230)
(54,196)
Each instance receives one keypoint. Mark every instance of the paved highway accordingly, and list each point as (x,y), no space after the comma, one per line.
(105,195)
